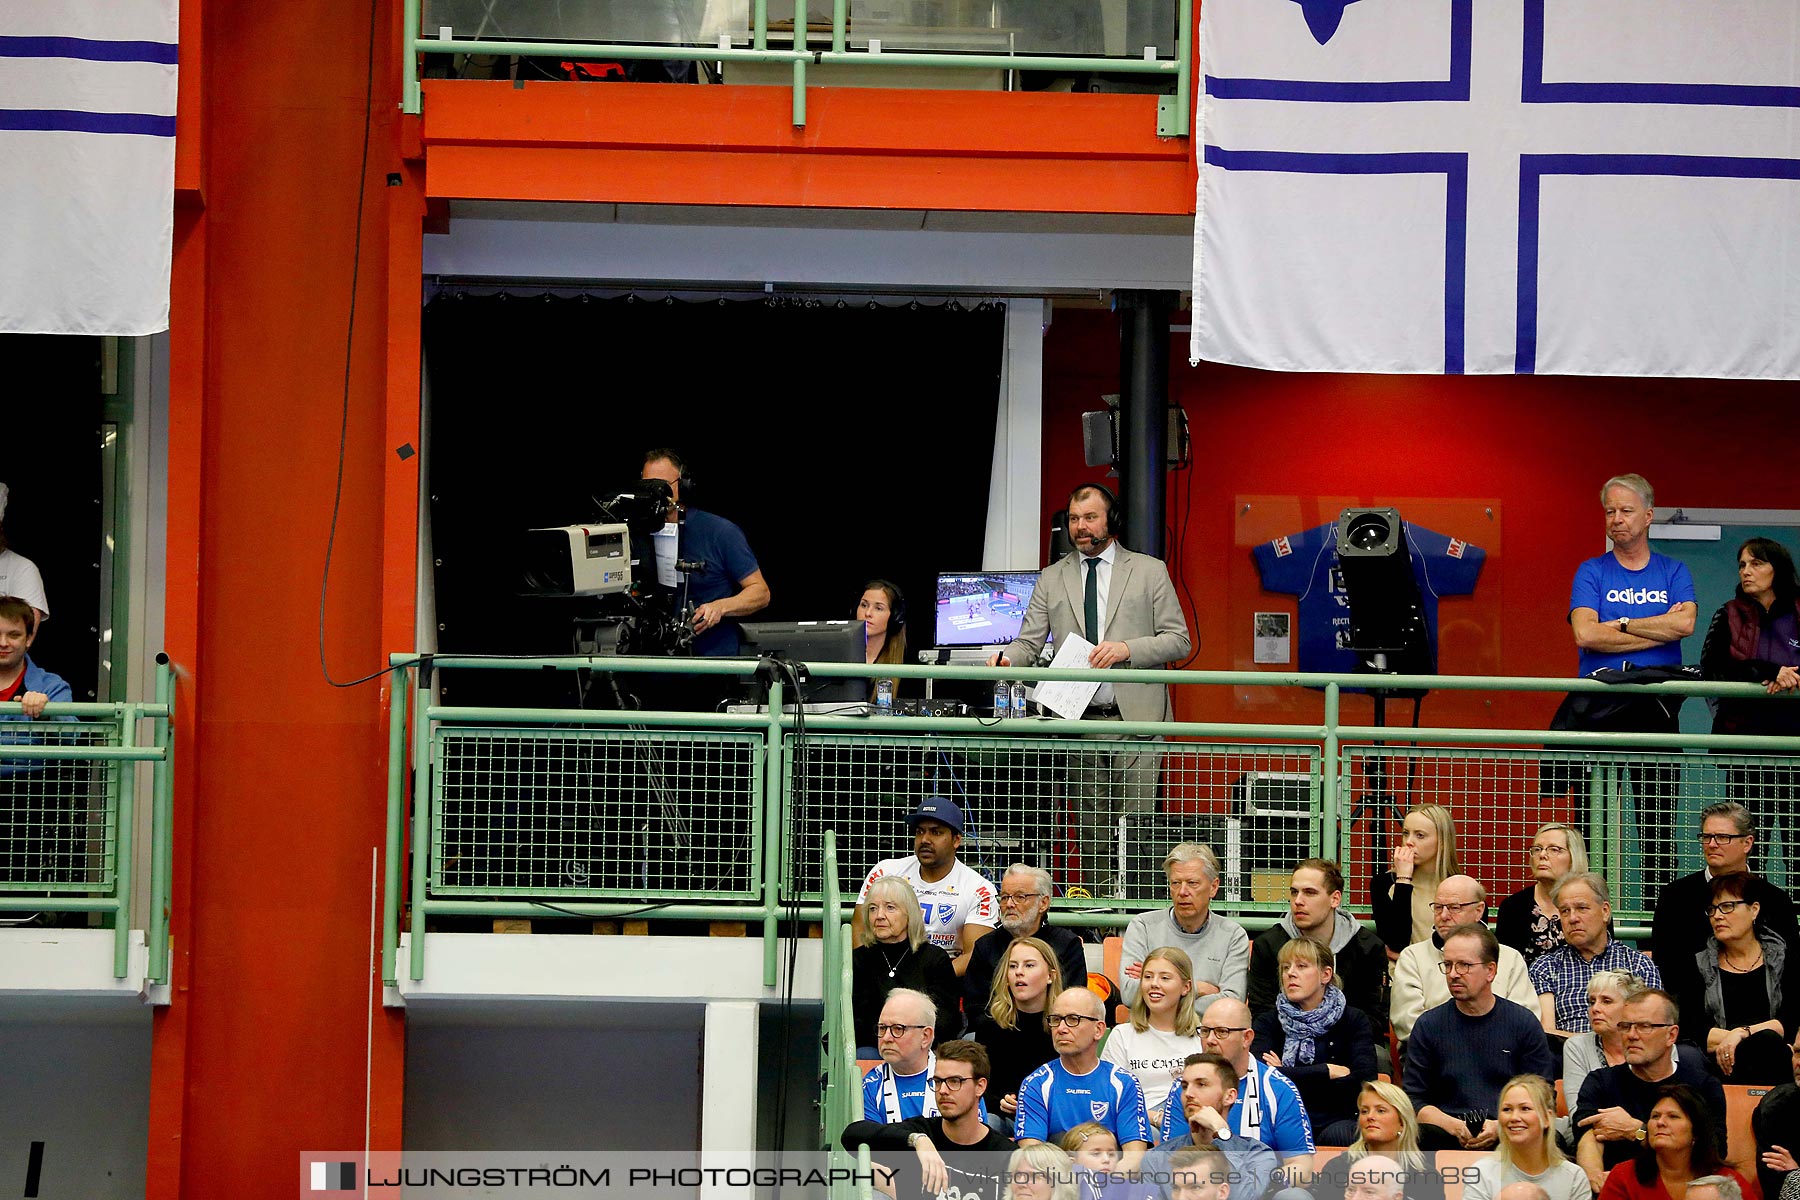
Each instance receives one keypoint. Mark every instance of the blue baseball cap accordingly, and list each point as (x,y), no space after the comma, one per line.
(936,808)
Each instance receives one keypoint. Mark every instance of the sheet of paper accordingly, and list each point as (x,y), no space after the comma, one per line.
(1065,699)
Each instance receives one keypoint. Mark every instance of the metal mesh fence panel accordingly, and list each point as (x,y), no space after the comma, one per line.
(596,813)
(58,816)
(1640,812)
(1098,814)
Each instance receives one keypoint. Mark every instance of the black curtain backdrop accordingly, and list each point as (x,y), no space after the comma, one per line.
(51,460)
(847,441)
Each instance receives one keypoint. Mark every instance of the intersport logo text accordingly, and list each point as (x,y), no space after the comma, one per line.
(1641,596)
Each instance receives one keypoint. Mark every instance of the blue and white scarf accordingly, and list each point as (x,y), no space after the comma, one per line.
(1304,1029)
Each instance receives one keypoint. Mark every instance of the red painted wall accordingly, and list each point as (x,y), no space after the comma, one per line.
(1297,448)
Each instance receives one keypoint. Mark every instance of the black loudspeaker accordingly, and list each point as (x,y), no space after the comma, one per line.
(1387,615)
(1100,436)
(1097,438)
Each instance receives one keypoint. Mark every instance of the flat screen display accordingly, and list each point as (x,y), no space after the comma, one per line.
(982,608)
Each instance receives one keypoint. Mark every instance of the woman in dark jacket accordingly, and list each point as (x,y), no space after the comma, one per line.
(1755,638)
(895,954)
(1318,1040)
(1743,1004)
(1400,897)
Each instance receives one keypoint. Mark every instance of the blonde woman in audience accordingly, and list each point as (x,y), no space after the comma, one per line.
(1528,1152)
(1386,1125)
(1527,920)
(1318,1040)
(1013,1030)
(1401,896)
(1040,1171)
(1163,1031)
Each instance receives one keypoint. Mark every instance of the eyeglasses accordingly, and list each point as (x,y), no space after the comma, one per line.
(1072,1020)
(950,1083)
(1642,1026)
(1444,908)
(882,1031)
(1719,839)
(1537,850)
(1220,1031)
(1018,897)
(1724,907)
(1449,967)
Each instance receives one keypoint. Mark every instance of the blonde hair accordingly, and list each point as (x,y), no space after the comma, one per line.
(1187,1024)
(1000,999)
(1544,1100)
(1578,859)
(895,890)
(1046,1159)
(1444,865)
(1078,1136)
(1408,1152)
(1313,951)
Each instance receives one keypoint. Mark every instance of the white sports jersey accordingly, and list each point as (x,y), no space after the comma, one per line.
(960,898)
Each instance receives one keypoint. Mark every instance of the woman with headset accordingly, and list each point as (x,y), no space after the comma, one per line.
(882,610)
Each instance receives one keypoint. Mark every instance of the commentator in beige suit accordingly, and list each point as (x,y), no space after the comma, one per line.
(1125,604)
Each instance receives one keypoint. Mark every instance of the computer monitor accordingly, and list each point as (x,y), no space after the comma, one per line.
(982,608)
(814,642)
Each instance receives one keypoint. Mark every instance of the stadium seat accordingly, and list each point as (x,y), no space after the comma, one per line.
(1112,960)
(1740,1143)
(1460,1160)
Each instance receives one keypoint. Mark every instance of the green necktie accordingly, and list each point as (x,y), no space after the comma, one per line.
(1091,601)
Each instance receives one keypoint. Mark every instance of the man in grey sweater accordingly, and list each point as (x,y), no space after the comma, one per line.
(1218,946)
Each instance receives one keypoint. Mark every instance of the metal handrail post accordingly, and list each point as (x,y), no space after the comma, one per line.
(1188,60)
(774,844)
(1599,821)
(421,838)
(125,815)
(410,98)
(759,24)
(399,691)
(1330,781)
(840,21)
(161,825)
(846,1030)
(831,951)
(799,93)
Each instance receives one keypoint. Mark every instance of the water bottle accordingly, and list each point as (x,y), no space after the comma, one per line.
(1018,699)
(1002,699)
(884,697)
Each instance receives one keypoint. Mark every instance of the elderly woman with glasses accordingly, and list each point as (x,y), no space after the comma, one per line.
(1527,920)
(1743,1001)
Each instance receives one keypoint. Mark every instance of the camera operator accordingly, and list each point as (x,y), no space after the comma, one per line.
(729,584)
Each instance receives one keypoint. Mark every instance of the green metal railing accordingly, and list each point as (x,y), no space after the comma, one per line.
(840,1100)
(68,796)
(1172,111)
(759,792)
